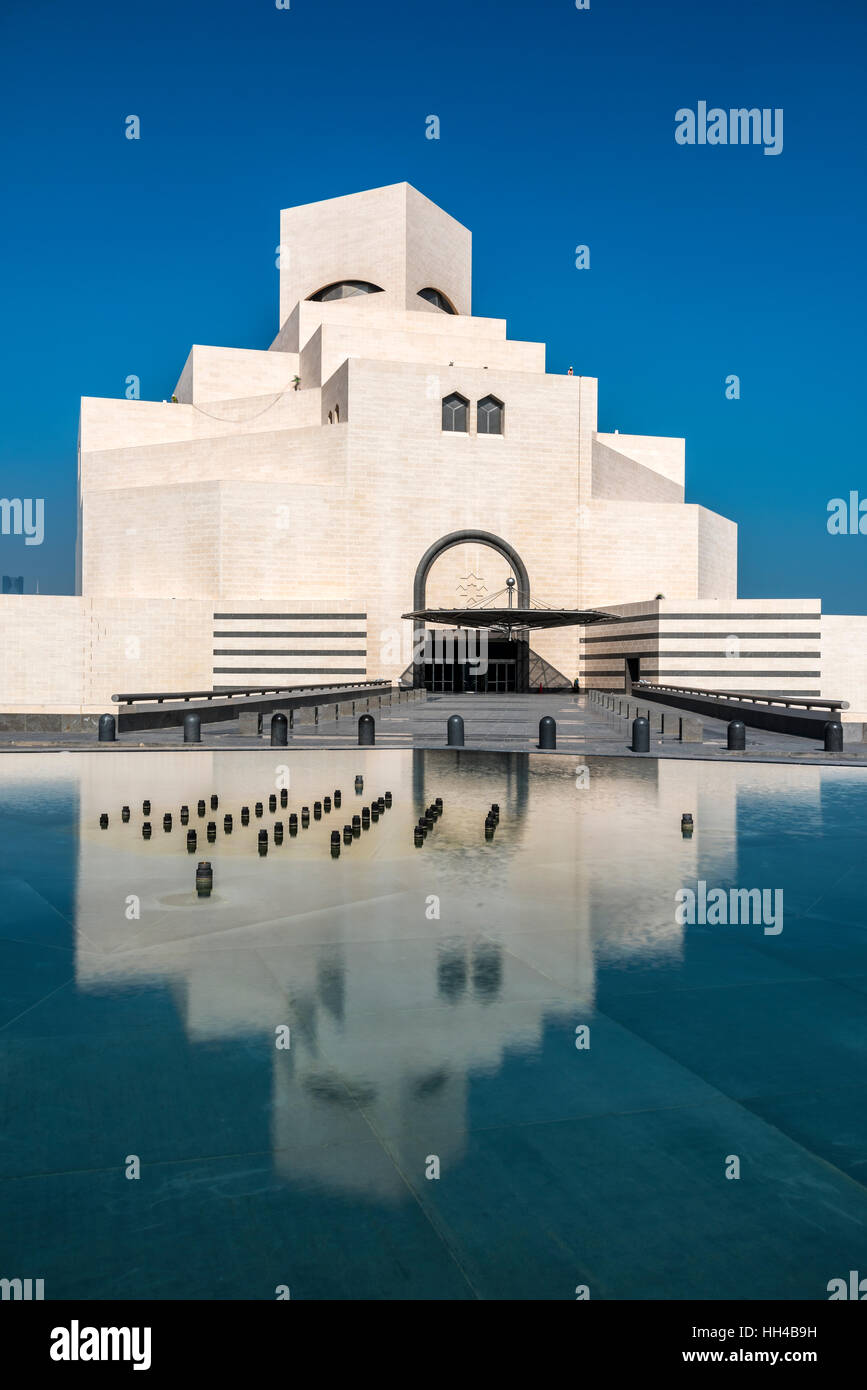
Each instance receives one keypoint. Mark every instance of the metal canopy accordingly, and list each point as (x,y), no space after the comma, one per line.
(510,617)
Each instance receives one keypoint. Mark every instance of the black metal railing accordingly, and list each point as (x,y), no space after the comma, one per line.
(790,701)
(159,697)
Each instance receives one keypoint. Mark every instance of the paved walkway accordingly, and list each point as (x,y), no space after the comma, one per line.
(493,722)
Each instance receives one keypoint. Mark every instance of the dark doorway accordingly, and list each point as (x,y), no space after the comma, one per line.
(633,671)
(504,668)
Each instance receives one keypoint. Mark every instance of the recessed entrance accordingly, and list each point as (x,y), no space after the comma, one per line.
(478,664)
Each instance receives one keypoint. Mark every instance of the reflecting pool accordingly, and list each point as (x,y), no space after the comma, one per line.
(494,1069)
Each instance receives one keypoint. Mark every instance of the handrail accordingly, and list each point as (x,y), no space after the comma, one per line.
(160,696)
(787,700)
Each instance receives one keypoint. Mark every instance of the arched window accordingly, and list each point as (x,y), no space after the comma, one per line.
(346,289)
(455,413)
(438,299)
(489,416)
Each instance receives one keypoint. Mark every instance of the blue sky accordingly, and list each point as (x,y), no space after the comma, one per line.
(557,129)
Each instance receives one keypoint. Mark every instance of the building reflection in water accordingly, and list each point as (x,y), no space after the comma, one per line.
(403,974)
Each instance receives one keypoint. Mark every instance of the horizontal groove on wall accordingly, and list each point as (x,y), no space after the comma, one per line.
(693,655)
(703,636)
(290,670)
(289,651)
(664,677)
(266,632)
(293,617)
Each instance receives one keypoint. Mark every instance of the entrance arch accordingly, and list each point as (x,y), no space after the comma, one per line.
(425,564)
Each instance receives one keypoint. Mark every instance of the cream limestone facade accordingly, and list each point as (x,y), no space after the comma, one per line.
(265,526)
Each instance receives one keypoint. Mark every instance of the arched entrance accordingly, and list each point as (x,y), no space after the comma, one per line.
(515,653)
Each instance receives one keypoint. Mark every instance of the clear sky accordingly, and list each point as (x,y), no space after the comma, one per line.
(557,130)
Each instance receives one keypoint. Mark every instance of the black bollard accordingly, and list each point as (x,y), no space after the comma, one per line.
(439,804)
(103,821)
(547,732)
(263,842)
(211,831)
(259,809)
(191,841)
(366,731)
(192,728)
(359,784)
(374,812)
(337,800)
(305,817)
(185,814)
(326,804)
(317,810)
(145,808)
(335,844)
(640,735)
(356,826)
(272,802)
(284,798)
(107,729)
(293,824)
(278,832)
(215,801)
(204,879)
(495,812)
(347,834)
(365,817)
(455,731)
(124,814)
(201,808)
(146,830)
(418,837)
(833,736)
(737,736)
(279,731)
(245,815)
(687,825)
(227,824)
(167,821)
(388,799)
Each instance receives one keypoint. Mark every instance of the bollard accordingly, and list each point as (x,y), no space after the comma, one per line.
(201,808)
(103,821)
(259,809)
(293,823)
(640,735)
(347,834)
(107,728)
(227,824)
(833,736)
(145,808)
(146,830)
(305,817)
(284,798)
(279,731)
(263,842)
(211,831)
(337,800)
(167,821)
(737,736)
(192,728)
(687,825)
(191,841)
(317,810)
(245,815)
(547,732)
(335,844)
(326,804)
(366,731)
(455,731)
(124,813)
(272,802)
(185,814)
(278,832)
(215,801)
(388,799)
(359,784)
(204,878)
(356,827)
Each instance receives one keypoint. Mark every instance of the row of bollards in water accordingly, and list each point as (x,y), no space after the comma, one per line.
(427,822)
